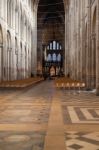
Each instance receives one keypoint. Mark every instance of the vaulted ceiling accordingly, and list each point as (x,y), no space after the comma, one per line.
(51,18)
(51,10)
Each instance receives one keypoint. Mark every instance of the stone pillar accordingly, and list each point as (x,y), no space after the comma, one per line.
(66,40)
(78,41)
(34,44)
(83,66)
(1,61)
(93,42)
(97,50)
(89,48)
(39,50)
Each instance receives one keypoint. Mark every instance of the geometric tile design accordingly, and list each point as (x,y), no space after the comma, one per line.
(22,140)
(26,106)
(80,115)
(79,99)
(25,114)
(29,110)
(82,141)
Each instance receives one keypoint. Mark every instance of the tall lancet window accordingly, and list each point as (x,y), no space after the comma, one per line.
(54,57)
(54,45)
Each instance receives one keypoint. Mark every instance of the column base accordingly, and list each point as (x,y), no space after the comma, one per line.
(97,92)
(88,89)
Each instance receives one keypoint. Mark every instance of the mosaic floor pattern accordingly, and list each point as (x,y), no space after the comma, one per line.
(79,98)
(24,117)
(81,115)
(27,106)
(22,140)
(26,114)
(37,118)
(82,141)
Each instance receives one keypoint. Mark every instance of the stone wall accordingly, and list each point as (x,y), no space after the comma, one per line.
(82,41)
(17,39)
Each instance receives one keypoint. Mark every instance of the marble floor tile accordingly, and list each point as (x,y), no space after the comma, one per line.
(82,140)
(32,116)
(22,140)
(81,115)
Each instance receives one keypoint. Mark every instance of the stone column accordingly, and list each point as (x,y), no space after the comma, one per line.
(21,74)
(97,50)
(93,42)
(1,61)
(34,44)
(39,50)
(89,48)
(66,40)
(78,40)
(83,43)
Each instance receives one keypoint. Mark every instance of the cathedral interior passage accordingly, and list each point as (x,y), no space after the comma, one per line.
(49,74)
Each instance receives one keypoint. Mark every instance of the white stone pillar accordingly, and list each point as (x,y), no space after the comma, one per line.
(34,45)
(93,70)
(66,41)
(89,48)
(97,50)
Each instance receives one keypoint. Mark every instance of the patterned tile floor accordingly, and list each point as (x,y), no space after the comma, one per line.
(82,140)
(81,114)
(25,113)
(80,108)
(80,111)
(22,140)
(28,116)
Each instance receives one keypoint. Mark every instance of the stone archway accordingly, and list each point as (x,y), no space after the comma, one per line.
(52,71)
(1,54)
(50,25)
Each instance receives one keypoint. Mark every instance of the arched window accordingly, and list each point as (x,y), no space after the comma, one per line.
(51,46)
(54,45)
(57,46)
(59,57)
(60,47)
(54,57)
(48,47)
(49,57)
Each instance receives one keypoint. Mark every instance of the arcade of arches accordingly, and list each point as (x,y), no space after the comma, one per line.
(27,26)
(53,38)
